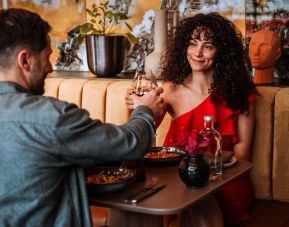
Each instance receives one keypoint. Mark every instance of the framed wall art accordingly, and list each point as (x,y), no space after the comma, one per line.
(178,9)
(64,15)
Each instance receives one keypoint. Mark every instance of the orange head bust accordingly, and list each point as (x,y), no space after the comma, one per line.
(264,50)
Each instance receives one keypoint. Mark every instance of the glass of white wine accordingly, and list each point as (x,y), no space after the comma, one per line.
(143,83)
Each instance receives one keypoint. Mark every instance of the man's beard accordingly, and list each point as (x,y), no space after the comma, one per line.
(38,89)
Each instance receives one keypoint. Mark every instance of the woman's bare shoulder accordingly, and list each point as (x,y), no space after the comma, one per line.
(169,87)
(171,92)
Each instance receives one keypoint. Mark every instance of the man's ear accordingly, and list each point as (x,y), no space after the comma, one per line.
(24,60)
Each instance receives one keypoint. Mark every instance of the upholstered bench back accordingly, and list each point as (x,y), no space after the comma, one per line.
(104,99)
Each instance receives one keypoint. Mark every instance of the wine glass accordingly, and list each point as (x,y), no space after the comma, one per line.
(143,83)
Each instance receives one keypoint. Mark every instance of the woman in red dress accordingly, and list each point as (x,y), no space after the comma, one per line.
(205,73)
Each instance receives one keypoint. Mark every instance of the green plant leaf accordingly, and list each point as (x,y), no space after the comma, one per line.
(102,19)
(85,28)
(79,39)
(106,4)
(102,9)
(96,33)
(116,17)
(90,12)
(129,27)
(121,16)
(131,38)
(109,14)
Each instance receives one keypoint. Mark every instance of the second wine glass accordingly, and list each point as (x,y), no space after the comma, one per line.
(143,83)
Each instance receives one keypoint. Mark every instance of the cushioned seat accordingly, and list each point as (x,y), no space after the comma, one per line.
(104,99)
(99,216)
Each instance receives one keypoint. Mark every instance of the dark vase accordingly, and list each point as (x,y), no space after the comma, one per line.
(194,171)
(105,54)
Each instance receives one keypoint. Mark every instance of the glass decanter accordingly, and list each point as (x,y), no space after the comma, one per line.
(213,155)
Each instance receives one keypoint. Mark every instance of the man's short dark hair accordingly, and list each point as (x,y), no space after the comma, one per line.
(20,28)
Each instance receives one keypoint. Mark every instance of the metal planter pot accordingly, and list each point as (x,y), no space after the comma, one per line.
(105,54)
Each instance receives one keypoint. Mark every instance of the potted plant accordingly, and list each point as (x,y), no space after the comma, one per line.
(105,40)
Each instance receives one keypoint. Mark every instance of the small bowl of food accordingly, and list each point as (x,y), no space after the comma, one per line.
(163,156)
(107,179)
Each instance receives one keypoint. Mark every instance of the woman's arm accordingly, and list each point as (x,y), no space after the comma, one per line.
(245,133)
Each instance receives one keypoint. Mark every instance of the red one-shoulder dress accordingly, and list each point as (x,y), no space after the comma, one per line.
(235,198)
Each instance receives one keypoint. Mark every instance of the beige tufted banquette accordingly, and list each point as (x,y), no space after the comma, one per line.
(104,99)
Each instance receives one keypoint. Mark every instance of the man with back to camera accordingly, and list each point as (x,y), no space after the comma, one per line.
(44,141)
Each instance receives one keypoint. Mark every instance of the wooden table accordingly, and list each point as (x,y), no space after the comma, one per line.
(176,196)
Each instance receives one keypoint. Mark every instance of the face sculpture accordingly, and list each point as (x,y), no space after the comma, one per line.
(264,49)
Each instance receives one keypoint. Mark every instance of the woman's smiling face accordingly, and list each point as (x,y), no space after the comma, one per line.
(201,51)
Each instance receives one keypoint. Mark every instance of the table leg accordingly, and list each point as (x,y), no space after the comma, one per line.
(120,218)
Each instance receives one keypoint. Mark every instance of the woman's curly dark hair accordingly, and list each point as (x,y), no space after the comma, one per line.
(231,79)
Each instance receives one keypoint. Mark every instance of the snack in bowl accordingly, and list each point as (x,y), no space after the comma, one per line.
(108,179)
(105,178)
(163,156)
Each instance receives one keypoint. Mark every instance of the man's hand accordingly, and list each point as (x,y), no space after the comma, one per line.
(152,100)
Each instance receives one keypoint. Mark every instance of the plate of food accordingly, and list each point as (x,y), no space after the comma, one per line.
(163,156)
(107,179)
(230,163)
(228,158)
